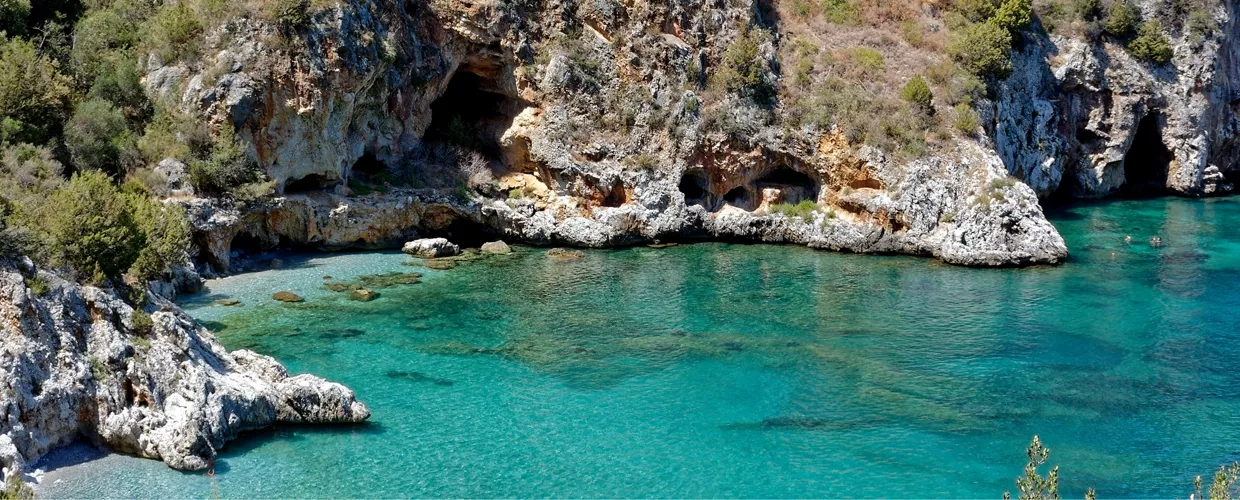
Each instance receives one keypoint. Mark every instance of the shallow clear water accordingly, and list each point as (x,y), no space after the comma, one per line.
(716,370)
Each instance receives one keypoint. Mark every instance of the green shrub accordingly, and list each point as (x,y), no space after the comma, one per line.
(99,371)
(91,227)
(226,168)
(841,12)
(868,60)
(912,32)
(14,14)
(1151,44)
(741,70)
(105,31)
(142,323)
(98,139)
(1122,19)
(173,134)
(34,95)
(28,170)
(983,49)
(167,236)
(119,83)
(801,210)
(38,285)
(976,10)
(965,119)
(1200,24)
(173,32)
(14,487)
(291,14)
(918,93)
(1014,15)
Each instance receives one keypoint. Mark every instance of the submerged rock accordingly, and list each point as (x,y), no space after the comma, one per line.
(431,248)
(496,248)
(371,282)
(363,295)
(417,377)
(562,255)
(75,369)
(438,264)
(287,297)
(228,302)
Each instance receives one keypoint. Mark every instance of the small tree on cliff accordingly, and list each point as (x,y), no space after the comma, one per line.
(91,226)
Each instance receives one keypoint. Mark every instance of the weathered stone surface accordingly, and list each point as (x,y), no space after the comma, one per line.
(431,248)
(562,255)
(72,367)
(363,295)
(287,297)
(309,117)
(1070,113)
(496,248)
(176,177)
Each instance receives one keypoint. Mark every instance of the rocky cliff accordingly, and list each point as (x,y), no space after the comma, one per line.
(593,123)
(79,362)
(1087,119)
(589,126)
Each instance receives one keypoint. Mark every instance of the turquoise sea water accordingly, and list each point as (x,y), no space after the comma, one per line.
(717,370)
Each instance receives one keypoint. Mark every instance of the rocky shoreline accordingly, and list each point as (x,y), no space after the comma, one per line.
(80,362)
(930,214)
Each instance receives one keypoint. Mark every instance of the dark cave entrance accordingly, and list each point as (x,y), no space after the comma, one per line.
(466,233)
(616,196)
(471,115)
(794,185)
(740,197)
(367,166)
(312,182)
(693,186)
(1147,161)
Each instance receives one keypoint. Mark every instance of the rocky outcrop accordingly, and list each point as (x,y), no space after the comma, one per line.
(589,131)
(1087,119)
(431,248)
(935,207)
(74,365)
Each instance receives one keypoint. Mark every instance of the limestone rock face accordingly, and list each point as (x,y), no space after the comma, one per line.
(496,248)
(1087,119)
(72,366)
(431,248)
(604,137)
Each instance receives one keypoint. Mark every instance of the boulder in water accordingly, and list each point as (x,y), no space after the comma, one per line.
(287,297)
(496,248)
(363,295)
(562,255)
(431,248)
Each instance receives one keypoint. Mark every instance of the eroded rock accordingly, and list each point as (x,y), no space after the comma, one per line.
(496,248)
(74,369)
(431,248)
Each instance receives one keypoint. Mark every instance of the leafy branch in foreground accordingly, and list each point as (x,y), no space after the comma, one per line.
(1032,486)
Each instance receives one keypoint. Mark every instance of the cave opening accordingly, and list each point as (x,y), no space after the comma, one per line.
(367,166)
(247,244)
(739,197)
(470,116)
(616,196)
(794,186)
(312,182)
(693,186)
(465,232)
(1147,161)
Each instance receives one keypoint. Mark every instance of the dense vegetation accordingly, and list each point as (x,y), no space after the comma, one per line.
(79,136)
